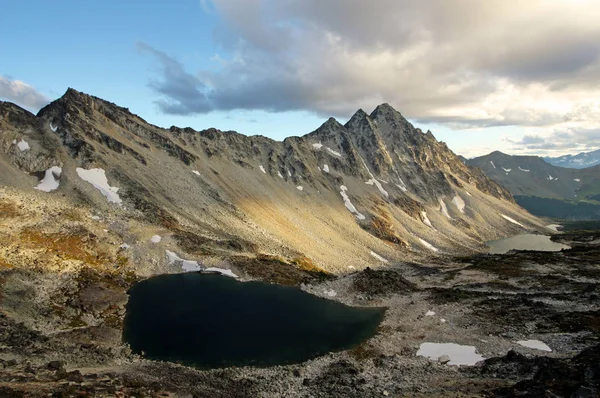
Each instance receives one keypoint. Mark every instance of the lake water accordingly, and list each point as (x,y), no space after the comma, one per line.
(525,242)
(212,321)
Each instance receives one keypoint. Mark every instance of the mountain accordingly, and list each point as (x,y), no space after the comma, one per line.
(580,161)
(542,188)
(375,189)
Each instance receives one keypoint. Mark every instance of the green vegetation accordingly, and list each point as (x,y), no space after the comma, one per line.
(559,208)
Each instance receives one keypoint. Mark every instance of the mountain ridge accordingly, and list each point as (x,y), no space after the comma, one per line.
(375,184)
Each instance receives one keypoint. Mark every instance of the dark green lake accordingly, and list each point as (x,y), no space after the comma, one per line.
(210,321)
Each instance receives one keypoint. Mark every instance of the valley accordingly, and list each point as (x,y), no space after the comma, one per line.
(375,213)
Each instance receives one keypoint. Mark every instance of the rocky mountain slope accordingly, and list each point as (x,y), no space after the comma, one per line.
(542,188)
(579,161)
(373,190)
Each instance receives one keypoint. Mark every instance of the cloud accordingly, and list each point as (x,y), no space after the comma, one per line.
(462,63)
(22,94)
(557,142)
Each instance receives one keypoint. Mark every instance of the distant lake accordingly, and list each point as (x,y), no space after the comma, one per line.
(212,321)
(525,242)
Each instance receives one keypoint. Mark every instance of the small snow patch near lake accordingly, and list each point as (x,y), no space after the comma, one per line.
(535,344)
(155,239)
(222,271)
(553,227)
(378,257)
(186,265)
(373,181)
(300,188)
(459,203)
(349,204)
(50,181)
(262,169)
(428,245)
(458,354)
(326,168)
(196,172)
(334,153)
(97,177)
(317,145)
(512,220)
(23,145)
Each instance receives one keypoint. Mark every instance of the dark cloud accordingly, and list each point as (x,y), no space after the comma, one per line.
(22,94)
(182,92)
(464,63)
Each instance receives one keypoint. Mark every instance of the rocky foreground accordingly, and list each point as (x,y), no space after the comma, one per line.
(61,319)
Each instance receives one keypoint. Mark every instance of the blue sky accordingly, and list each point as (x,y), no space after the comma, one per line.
(280,68)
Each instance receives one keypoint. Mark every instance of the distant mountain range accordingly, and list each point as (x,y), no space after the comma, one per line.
(545,189)
(580,161)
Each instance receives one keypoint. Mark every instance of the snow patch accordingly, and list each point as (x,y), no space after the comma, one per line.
(506,170)
(279,174)
(124,246)
(53,128)
(317,145)
(289,173)
(331,151)
(196,172)
(553,227)
(300,188)
(23,145)
(373,181)
(428,245)
(512,220)
(262,169)
(493,165)
(459,203)
(426,219)
(378,257)
(155,239)
(525,170)
(550,178)
(97,177)
(429,313)
(50,181)
(349,204)
(458,354)
(535,344)
(326,168)
(444,209)
(576,180)
(186,265)
(467,192)
(222,271)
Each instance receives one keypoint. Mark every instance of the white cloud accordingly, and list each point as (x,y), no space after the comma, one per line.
(22,94)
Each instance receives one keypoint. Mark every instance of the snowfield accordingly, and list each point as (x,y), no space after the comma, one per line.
(23,145)
(97,177)
(50,181)
(459,203)
(428,245)
(349,204)
(458,354)
(378,257)
(512,220)
(535,344)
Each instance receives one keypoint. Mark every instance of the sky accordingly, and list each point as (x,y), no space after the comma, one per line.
(518,76)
